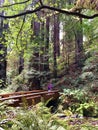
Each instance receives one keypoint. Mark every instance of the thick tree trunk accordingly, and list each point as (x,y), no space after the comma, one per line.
(2,66)
(34,66)
(35,57)
(79,45)
(3,49)
(21,63)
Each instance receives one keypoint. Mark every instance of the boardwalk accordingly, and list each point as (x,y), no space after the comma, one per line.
(29,97)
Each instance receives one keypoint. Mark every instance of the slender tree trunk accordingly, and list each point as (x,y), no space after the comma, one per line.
(46,66)
(54,50)
(42,46)
(57,29)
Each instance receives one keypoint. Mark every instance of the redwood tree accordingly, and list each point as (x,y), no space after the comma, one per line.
(3,51)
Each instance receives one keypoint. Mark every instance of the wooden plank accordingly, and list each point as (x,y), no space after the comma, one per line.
(31,98)
(27,95)
(29,101)
(48,96)
(51,95)
(19,93)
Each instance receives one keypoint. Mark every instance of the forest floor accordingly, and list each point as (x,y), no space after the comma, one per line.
(72,85)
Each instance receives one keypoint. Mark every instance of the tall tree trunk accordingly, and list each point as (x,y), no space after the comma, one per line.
(46,66)
(56,35)
(34,81)
(42,46)
(3,66)
(78,41)
(3,49)
(54,50)
(79,44)
(36,29)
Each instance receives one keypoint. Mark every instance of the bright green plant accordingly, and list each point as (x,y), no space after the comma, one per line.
(78,101)
(36,118)
(88,109)
(76,94)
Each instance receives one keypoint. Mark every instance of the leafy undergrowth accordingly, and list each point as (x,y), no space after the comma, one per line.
(76,111)
(80,108)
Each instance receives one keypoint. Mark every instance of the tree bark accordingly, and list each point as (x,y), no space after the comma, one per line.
(56,34)
(54,50)
(79,45)
(34,81)
(3,53)
(21,63)
(46,66)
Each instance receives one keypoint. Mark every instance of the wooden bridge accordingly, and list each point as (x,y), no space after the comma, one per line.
(17,99)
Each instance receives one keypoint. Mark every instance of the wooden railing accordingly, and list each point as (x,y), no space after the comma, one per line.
(30,97)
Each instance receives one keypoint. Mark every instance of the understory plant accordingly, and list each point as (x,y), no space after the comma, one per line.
(39,117)
(35,118)
(88,109)
(80,102)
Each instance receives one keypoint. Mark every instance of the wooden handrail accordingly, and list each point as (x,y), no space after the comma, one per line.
(19,93)
(29,96)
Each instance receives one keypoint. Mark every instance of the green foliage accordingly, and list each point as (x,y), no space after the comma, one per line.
(22,41)
(36,118)
(39,118)
(89,76)
(77,94)
(1,82)
(79,101)
(88,109)
(19,82)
